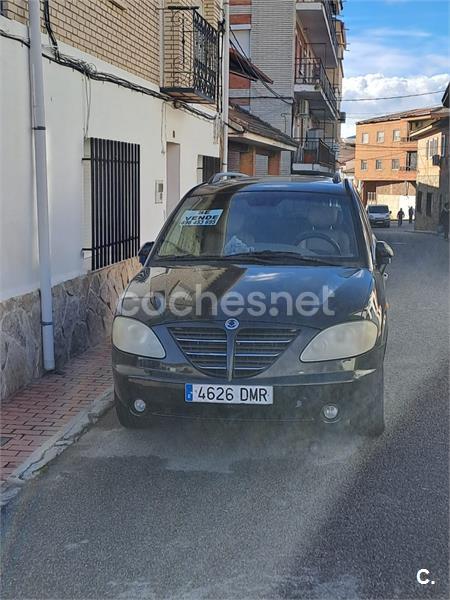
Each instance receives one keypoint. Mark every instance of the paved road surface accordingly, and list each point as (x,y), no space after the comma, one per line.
(210,510)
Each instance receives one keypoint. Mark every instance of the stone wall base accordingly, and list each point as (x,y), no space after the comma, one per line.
(83,310)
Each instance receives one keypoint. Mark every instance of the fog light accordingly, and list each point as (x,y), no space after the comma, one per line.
(139,405)
(330,412)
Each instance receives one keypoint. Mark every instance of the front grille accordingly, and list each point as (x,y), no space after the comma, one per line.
(255,349)
(204,347)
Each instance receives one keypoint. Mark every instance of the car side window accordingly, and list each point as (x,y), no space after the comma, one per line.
(368,235)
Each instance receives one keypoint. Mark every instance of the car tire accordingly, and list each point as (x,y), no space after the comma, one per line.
(127,418)
(370,423)
(374,425)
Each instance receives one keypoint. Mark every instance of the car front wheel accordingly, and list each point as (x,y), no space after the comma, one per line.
(370,421)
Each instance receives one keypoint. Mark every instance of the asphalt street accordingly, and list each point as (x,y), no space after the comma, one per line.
(206,509)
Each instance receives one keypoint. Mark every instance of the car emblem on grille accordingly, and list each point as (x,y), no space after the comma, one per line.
(231,324)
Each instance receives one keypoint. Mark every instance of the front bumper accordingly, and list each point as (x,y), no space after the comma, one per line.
(353,386)
(380,222)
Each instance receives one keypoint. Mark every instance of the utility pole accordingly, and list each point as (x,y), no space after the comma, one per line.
(40,158)
(225,83)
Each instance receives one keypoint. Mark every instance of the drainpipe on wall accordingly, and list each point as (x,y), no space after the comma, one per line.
(40,159)
(226,82)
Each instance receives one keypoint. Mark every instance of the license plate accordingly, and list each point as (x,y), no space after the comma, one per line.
(229,394)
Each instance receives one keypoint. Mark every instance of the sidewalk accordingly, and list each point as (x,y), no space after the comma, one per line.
(35,414)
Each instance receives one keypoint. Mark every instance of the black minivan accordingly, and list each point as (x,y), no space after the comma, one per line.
(260,299)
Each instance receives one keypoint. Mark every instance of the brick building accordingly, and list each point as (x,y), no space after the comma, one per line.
(251,140)
(386,158)
(346,158)
(300,46)
(433,183)
(131,91)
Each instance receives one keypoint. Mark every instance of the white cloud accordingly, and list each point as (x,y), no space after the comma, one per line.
(378,85)
(370,55)
(386,32)
(386,62)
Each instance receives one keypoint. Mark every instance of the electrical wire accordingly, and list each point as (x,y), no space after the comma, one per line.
(90,71)
(391,97)
(420,155)
(48,27)
(382,147)
(343,99)
(237,46)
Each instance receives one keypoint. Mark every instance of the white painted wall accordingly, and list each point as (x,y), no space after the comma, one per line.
(115,113)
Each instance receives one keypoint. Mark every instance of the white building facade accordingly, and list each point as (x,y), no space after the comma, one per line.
(154,150)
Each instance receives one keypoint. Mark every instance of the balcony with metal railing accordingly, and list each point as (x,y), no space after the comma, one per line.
(317,16)
(191,56)
(313,155)
(312,84)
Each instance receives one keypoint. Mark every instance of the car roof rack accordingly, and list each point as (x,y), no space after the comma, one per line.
(218,177)
(337,177)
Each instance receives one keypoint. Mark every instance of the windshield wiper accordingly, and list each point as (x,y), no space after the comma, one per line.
(189,256)
(265,255)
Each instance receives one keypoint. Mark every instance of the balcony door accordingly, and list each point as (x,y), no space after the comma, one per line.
(411,161)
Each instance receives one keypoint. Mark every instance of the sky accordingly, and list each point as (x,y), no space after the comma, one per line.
(395,47)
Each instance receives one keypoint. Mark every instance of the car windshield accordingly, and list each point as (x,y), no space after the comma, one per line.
(378,209)
(265,224)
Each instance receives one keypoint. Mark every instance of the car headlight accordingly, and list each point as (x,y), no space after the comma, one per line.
(134,337)
(341,341)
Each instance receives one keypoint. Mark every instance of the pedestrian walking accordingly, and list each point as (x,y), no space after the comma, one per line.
(444,220)
(400,217)
(411,214)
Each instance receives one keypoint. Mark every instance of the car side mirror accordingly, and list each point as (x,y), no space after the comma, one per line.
(144,252)
(383,254)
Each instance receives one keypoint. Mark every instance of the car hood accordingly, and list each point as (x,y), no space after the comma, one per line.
(334,293)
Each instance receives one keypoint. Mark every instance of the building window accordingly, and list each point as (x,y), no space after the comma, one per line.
(411,161)
(396,135)
(395,164)
(365,138)
(112,202)
(378,164)
(209,166)
(364,165)
(240,39)
(432,147)
(380,137)
(429,203)
(444,146)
